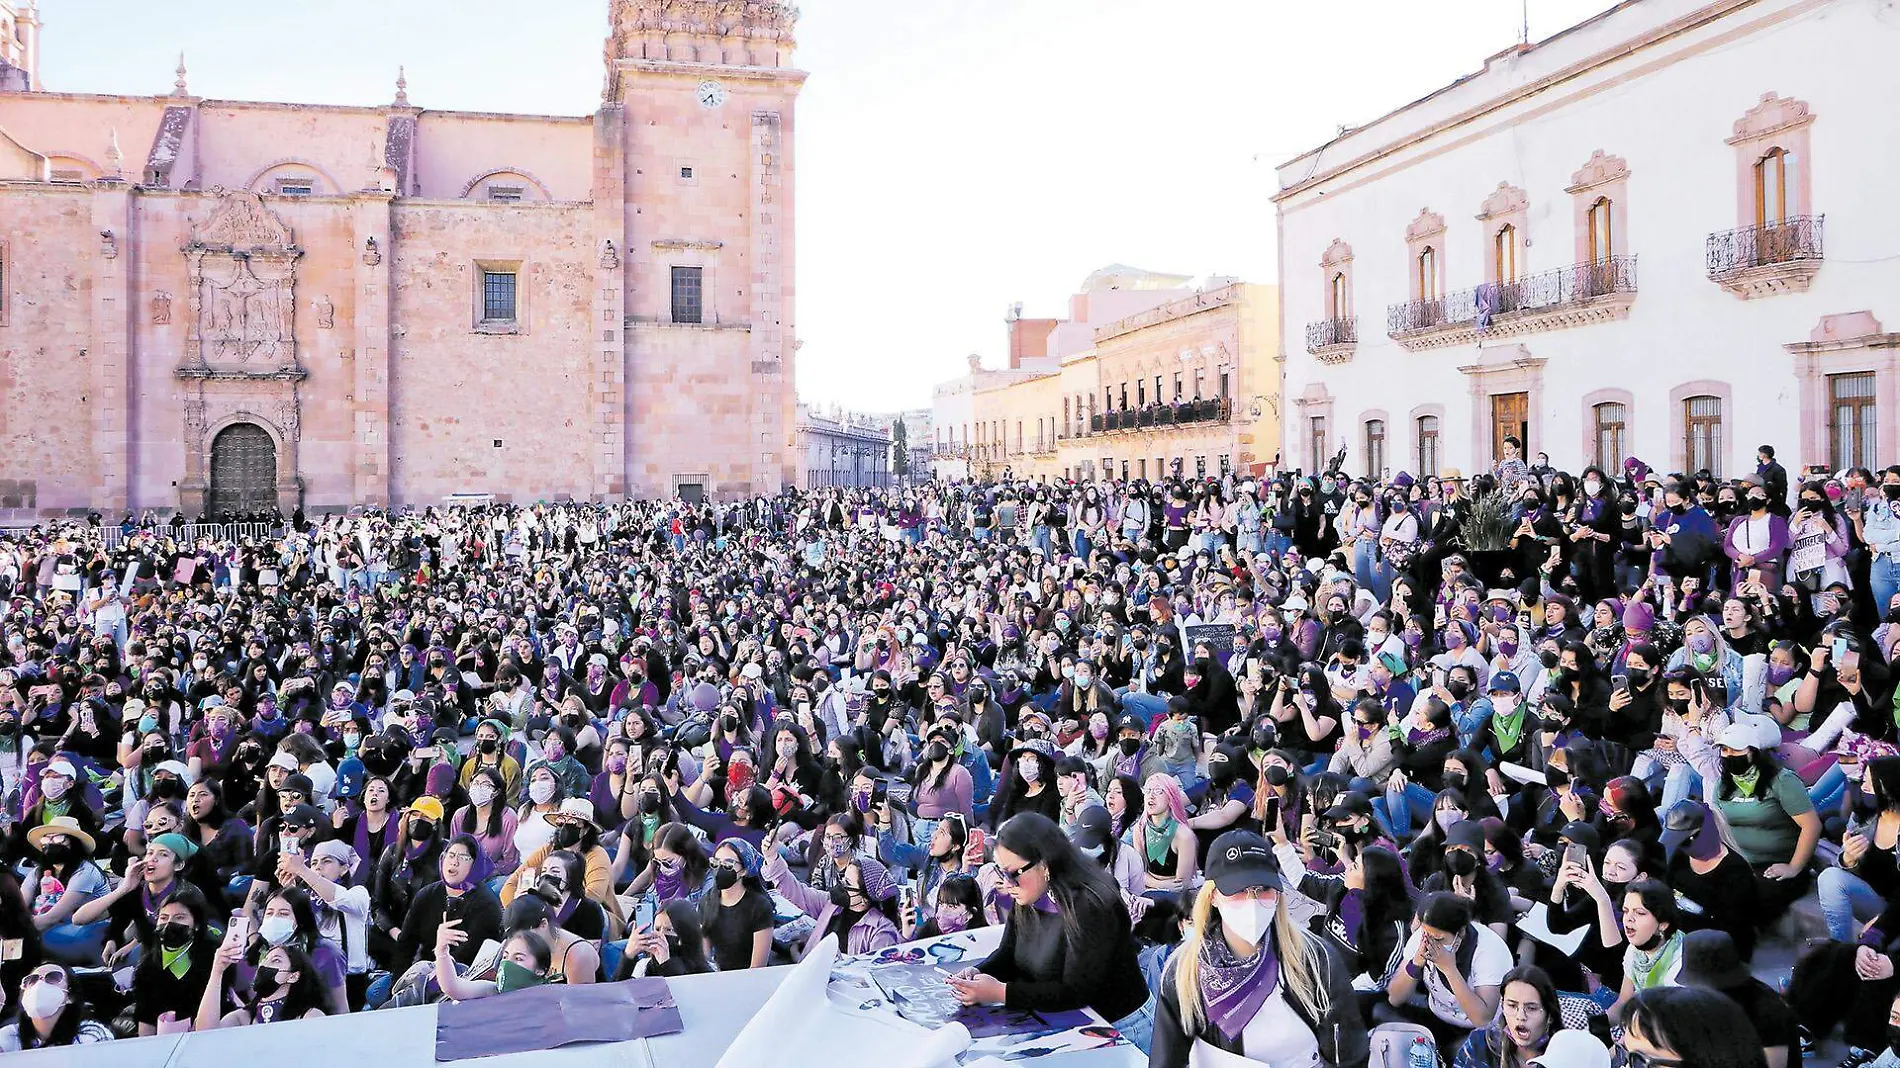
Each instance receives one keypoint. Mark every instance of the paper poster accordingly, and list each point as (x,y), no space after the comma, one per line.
(1536,923)
(186,568)
(547,1017)
(800,1024)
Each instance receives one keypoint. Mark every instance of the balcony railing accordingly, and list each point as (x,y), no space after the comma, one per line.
(1329,332)
(1095,424)
(1153,416)
(1790,241)
(1481,306)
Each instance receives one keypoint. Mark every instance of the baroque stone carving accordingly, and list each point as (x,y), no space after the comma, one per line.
(326,313)
(161,308)
(609,256)
(1336,253)
(1598,170)
(1773,115)
(1504,200)
(242,265)
(108,244)
(1428,223)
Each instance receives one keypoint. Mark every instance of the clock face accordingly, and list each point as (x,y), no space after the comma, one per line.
(711,94)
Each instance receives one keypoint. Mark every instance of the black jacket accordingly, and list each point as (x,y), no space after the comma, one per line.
(1047,971)
(1342,1033)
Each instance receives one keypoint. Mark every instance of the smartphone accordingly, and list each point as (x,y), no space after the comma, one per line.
(644,912)
(1576,854)
(1620,682)
(977,842)
(1849,661)
(529,876)
(452,909)
(1754,575)
(240,927)
(1838,649)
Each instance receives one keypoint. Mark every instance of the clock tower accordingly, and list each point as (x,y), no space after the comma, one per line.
(698,109)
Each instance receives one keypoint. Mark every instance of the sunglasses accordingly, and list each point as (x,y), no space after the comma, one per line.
(1637,1059)
(52,976)
(1013,878)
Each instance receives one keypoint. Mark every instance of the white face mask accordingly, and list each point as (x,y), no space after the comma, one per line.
(1504,704)
(43,1000)
(1029,769)
(1592,486)
(541,791)
(481,793)
(276,930)
(1247,917)
(55,787)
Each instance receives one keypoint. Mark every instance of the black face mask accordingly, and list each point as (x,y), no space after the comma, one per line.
(421,831)
(935,752)
(1549,660)
(1130,746)
(649,803)
(1456,780)
(1277,775)
(1460,863)
(841,897)
(1264,737)
(725,878)
(57,853)
(1457,688)
(567,836)
(730,723)
(265,981)
(1738,764)
(489,746)
(174,936)
(1891,492)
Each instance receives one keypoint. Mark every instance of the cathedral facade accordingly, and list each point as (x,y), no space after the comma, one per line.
(227,306)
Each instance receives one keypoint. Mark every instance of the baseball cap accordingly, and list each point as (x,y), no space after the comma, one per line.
(427,806)
(1570,1048)
(1241,859)
(302,816)
(1504,682)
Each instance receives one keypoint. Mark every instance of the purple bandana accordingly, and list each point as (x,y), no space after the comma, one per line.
(1236,988)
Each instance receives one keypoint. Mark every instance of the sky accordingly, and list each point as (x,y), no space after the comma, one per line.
(953,156)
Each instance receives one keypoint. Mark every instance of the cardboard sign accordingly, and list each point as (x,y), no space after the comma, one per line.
(1220,638)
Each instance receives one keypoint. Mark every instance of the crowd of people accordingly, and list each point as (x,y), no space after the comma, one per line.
(1312,769)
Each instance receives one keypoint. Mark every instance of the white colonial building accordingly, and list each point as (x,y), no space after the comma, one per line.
(1668,232)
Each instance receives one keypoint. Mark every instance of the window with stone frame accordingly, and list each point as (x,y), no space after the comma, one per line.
(500,292)
(688,295)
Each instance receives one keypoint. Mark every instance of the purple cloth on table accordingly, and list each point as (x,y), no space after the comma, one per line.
(545,1017)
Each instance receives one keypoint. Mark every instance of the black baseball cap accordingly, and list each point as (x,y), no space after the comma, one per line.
(1241,859)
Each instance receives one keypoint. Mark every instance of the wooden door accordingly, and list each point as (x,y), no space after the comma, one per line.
(1510,417)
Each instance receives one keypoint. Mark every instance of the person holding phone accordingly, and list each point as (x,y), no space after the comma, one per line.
(1067,940)
(461,893)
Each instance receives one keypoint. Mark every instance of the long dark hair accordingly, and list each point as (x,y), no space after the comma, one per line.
(71,1015)
(1706,1028)
(684,915)
(1539,980)
(1082,889)
(495,804)
(678,839)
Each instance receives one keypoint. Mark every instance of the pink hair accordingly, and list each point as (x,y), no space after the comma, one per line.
(1169,788)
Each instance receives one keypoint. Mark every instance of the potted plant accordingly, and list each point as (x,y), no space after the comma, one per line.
(1487,537)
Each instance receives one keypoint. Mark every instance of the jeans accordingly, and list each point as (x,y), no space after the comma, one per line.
(1884,577)
(1039,539)
(1144,706)
(1138,1027)
(1404,809)
(1827,791)
(1846,899)
(980,534)
(71,943)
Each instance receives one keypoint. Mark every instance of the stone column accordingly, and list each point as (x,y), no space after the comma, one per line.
(377,334)
(607,410)
(113,297)
(769,408)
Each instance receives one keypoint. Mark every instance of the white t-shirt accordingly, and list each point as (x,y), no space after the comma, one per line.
(1277,1036)
(1489,961)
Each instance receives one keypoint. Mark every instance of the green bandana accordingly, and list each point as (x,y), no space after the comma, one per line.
(512,976)
(649,825)
(1160,840)
(176,961)
(1703,662)
(1509,729)
(1747,781)
(1647,971)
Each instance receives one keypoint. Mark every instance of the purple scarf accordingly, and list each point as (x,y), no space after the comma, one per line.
(1236,988)
(668,887)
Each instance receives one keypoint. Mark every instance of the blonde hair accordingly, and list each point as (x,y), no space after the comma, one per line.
(1302,962)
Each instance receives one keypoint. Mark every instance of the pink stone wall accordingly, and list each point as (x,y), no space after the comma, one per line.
(45,434)
(454,391)
(395,393)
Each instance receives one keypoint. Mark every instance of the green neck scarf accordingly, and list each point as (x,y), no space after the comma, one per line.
(1509,729)
(1160,839)
(1647,971)
(1747,781)
(176,961)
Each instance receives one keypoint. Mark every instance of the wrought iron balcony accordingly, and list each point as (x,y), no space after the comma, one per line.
(1329,337)
(1759,261)
(1576,295)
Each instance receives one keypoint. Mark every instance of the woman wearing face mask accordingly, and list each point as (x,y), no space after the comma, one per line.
(940,783)
(859,908)
(1768,811)
(525,961)
(487,817)
(613,792)
(1163,838)
(1706,653)
(491,751)
(676,945)
(284,987)
(941,859)
(737,915)
(1230,794)
(533,831)
(576,953)
(460,894)
(558,748)
(1249,980)
(1067,942)
(1028,783)
(1462,871)
(1421,742)
(289,919)
(51,1014)
(175,961)
(64,879)
(959,907)
(1818,544)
